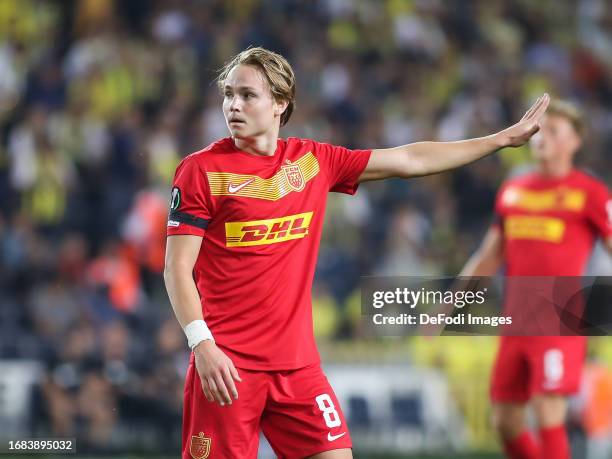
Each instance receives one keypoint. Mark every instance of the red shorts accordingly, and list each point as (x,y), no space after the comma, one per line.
(297,411)
(528,365)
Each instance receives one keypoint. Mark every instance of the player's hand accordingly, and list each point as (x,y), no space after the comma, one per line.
(217,373)
(521,132)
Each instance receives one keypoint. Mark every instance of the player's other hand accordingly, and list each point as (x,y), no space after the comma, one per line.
(217,373)
(521,132)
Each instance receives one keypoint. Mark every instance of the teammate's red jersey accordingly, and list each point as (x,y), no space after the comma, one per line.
(549,228)
(261,219)
(550,225)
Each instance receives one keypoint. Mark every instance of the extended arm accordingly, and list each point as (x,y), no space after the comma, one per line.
(425,158)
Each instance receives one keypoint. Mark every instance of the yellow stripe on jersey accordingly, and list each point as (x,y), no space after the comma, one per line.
(574,200)
(291,177)
(570,199)
(548,229)
(264,232)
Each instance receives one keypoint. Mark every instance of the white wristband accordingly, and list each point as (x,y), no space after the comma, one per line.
(196,332)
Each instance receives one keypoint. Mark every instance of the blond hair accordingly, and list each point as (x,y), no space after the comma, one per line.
(569,111)
(276,70)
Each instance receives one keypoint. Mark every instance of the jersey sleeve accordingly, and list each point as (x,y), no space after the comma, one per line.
(599,210)
(342,166)
(189,201)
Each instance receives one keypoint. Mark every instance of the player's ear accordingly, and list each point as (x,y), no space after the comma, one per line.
(280,106)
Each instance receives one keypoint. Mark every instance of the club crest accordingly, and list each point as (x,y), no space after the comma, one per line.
(200,446)
(294,176)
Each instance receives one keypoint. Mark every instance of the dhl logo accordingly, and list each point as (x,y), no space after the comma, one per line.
(263,232)
(535,228)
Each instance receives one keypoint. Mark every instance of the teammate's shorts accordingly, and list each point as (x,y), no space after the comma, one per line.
(528,365)
(297,411)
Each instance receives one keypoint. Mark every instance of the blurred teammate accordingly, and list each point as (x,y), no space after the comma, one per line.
(245,222)
(546,224)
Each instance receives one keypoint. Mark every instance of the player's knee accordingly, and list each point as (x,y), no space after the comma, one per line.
(550,409)
(508,420)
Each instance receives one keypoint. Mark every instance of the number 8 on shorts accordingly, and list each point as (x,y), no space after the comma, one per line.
(326,405)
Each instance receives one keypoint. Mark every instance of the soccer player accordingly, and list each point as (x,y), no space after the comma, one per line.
(244,226)
(546,224)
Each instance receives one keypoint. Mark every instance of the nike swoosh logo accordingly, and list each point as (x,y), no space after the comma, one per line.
(235,189)
(331,437)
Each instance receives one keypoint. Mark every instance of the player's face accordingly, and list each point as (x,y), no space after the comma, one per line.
(248,105)
(556,141)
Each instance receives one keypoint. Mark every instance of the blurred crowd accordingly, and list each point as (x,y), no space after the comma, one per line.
(100,99)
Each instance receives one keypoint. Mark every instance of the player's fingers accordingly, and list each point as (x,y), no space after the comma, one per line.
(543,106)
(206,391)
(532,109)
(229,382)
(214,390)
(539,107)
(234,372)
(221,389)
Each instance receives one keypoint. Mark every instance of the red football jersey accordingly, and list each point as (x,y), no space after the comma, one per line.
(261,219)
(549,227)
(550,224)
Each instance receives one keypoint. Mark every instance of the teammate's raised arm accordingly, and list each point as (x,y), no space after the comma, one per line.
(426,158)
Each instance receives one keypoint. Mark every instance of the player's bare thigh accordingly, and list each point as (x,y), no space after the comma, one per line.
(343,453)
(509,419)
(550,409)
